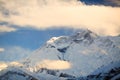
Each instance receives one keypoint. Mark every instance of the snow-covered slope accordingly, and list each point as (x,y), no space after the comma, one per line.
(77,55)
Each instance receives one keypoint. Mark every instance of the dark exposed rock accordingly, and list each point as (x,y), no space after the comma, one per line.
(66,75)
(10,75)
(63,50)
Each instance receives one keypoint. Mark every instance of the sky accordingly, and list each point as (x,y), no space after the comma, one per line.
(25,25)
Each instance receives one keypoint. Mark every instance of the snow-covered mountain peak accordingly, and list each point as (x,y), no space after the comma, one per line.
(68,57)
(84,36)
(85,32)
(52,40)
(55,42)
(84,51)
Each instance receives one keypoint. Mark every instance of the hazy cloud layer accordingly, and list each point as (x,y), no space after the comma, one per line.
(14,53)
(43,14)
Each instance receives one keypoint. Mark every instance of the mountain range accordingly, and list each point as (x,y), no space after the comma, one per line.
(81,56)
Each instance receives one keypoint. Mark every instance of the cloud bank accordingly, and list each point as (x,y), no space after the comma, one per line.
(43,14)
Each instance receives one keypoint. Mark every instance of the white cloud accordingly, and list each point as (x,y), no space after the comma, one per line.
(2,49)
(6,29)
(14,53)
(42,14)
(54,64)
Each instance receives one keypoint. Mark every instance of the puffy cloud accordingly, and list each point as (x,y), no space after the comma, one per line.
(54,64)
(2,49)
(43,14)
(6,29)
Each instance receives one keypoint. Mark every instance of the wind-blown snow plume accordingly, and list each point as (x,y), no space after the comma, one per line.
(43,14)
